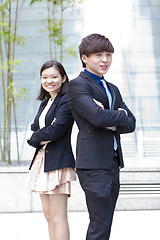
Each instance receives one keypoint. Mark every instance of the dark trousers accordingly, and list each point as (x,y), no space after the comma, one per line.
(101,189)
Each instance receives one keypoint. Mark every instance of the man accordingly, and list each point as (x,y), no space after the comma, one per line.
(101,116)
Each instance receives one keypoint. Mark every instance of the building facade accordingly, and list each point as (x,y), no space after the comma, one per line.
(133,28)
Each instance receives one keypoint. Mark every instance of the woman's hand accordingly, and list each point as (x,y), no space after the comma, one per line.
(29,134)
(44,142)
(53,120)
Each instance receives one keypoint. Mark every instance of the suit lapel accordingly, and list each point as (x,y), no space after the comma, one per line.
(97,85)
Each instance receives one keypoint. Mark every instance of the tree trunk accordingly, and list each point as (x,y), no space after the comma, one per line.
(9,97)
(49,32)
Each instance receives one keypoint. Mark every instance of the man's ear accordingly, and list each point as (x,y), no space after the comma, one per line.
(84,58)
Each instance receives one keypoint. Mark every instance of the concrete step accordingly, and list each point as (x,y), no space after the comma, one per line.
(138,191)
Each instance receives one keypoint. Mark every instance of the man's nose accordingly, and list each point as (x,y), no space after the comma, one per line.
(104,58)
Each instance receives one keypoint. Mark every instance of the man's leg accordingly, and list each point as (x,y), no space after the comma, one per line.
(101,189)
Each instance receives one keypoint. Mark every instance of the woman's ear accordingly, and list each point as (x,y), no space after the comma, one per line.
(64,79)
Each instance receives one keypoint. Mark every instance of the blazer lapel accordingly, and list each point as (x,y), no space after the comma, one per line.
(51,112)
(42,106)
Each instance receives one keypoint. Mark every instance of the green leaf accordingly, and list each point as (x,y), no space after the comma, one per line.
(34,1)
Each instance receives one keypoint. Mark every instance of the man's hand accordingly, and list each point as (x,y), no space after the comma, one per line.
(98,103)
(121,109)
(101,106)
(114,129)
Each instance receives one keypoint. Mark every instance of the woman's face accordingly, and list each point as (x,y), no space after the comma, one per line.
(52,80)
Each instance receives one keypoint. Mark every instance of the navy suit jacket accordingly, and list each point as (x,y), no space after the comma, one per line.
(95,144)
(58,153)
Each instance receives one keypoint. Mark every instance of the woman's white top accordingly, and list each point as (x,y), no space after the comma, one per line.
(43,114)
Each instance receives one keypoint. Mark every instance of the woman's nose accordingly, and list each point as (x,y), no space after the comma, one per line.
(49,80)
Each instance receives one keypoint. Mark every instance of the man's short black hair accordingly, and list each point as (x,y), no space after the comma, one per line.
(94,43)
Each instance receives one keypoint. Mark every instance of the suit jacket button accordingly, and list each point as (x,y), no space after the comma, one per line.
(46,151)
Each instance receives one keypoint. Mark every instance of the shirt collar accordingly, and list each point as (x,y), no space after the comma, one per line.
(95,77)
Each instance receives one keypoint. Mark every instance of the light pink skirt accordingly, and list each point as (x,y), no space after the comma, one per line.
(53,182)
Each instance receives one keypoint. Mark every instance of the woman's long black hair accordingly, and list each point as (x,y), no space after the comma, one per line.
(43,94)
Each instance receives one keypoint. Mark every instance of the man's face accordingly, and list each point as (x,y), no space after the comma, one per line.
(98,63)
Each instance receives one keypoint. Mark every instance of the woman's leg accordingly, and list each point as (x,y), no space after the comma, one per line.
(58,214)
(45,199)
(55,211)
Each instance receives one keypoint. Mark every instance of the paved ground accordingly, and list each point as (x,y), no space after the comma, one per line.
(127,225)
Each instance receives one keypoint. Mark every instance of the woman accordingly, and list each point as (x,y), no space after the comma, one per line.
(52,167)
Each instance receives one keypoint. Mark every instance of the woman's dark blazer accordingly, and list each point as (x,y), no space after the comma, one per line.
(58,153)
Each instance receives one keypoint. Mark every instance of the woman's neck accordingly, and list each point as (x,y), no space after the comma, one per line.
(53,95)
